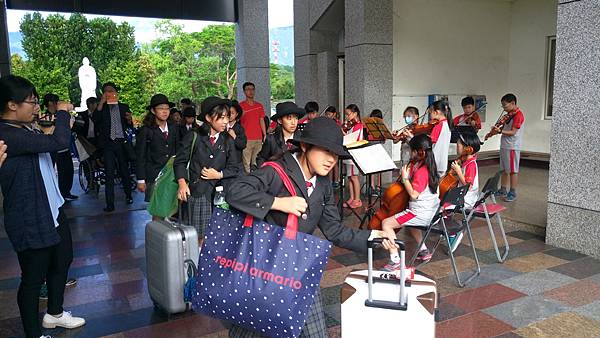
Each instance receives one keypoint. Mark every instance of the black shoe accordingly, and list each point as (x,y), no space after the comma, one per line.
(129,200)
(109,209)
(70,197)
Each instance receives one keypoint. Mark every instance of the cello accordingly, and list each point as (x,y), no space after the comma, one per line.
(394,200)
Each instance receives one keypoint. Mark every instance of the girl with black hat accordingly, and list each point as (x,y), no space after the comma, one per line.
(188,122)
(287,116)
(156,142)
(263,195)
(213,158)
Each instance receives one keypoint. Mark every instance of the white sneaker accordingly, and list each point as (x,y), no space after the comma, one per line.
(45,337)
(66,321)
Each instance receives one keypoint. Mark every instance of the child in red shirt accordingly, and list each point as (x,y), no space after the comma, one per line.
(469,116)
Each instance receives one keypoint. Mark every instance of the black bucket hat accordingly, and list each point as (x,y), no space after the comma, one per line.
(189,112)
(158,99)
(323,132)
(209,103)
(287,108)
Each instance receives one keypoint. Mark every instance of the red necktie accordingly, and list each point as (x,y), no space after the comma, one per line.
(308,184)
(213,139)
(289,146)
(166,135)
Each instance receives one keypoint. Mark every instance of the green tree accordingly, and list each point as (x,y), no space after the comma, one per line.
(282,82)
(194,65)
(56,45)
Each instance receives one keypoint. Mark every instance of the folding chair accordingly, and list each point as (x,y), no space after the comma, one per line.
(444,223)
(481,209)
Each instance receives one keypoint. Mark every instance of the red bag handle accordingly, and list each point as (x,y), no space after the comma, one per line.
(291,228)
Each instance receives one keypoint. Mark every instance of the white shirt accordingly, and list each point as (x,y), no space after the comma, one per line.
(312,180)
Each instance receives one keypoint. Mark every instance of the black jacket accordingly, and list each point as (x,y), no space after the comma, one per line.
(273,146)
(27,216)
(254,194)
(222,157)
(102,123)
(240,138)
(153,151)
(81,129)
(183,131)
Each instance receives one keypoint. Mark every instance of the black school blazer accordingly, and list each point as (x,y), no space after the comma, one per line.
(222,157)
(273,147)
(254,194)
(153,151)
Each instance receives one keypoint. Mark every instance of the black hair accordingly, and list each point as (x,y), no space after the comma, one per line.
(50,97)
(235,104)
(91,100)
(149,120)
(185,101)
(354,108)
(331,109)
(423,142)
(468,100)
(15,88)
(174,110)
(411,109)
(217,112)
(470,140)
(444,107)
(246,84)
(110,84)
(311,107)
(509,98)
(376,113)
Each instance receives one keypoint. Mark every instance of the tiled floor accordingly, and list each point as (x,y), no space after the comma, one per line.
(541,291)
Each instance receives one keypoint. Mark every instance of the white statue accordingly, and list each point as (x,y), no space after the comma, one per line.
(87,83)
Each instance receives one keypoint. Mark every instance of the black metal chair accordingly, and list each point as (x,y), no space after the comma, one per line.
(444,223)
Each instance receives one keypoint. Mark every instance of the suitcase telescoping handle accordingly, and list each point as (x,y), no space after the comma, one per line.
(384,304)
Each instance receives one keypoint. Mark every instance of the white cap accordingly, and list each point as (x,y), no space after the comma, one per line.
(219,188)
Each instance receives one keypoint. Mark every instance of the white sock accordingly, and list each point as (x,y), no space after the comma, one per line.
(395,257)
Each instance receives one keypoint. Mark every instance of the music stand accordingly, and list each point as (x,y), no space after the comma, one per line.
(371,159)
(377,128)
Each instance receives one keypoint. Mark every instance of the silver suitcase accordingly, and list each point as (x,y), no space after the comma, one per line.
(168,247)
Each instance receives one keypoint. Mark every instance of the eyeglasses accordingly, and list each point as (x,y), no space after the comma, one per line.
(34,102)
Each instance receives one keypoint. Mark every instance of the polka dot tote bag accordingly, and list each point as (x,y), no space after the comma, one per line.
(259,276)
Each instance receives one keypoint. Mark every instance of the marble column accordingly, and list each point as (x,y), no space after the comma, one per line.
(4,43)
(327,68)
(574,186)
(305,62)
(252,50)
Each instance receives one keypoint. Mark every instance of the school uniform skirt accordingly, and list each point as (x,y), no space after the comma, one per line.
(200,211)
(314,327)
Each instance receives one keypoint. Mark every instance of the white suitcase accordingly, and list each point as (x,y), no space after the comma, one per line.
(375,303)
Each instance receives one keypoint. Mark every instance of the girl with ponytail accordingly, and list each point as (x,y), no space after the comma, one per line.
(440,135)
(420,179)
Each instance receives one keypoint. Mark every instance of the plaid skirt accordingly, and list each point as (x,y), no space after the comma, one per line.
(314,327)
(200,210)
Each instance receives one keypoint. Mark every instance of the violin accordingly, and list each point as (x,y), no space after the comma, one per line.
(394,200)
(348,125)
(500,123)
(416,129)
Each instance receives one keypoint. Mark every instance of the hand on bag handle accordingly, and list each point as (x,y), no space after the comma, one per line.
(402,300)
(291,228)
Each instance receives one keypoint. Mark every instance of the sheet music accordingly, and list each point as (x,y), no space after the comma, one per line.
(372,159)
(352,137)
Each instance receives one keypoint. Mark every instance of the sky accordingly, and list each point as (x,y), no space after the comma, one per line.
(280,15)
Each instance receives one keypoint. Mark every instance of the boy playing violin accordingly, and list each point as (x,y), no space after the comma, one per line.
(469,116)
(510,147)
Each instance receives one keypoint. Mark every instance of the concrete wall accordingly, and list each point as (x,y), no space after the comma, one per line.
(574,188)
(485,47)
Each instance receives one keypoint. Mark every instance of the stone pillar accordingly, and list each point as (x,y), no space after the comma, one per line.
(327,68)
(4,43)
(305,62)
(252,50)
(574,187)
(368,55)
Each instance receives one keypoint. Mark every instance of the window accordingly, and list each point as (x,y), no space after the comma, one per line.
(550,63)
